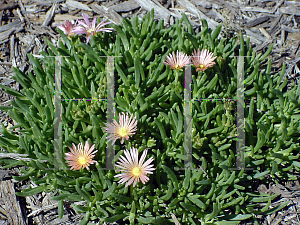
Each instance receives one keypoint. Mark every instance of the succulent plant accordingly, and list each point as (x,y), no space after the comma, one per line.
(209,192)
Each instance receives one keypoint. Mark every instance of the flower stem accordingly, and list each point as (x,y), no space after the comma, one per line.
(131,191)
(176,76)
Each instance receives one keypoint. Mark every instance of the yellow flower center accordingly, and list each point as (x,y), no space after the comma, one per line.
(136,171)
(82,160)
(201,66)
(90,30)
(123,132)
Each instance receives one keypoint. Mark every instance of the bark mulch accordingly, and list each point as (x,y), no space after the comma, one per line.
(25,23)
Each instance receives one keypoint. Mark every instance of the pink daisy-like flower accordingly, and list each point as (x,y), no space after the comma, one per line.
(204,60)
(91,29)
(67,28)
(177,62)
(80,158)
(125,128)
(132,169)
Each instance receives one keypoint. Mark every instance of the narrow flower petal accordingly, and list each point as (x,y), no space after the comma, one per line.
(178,61)
(122,130)
(85,27)
(203,60)
(86,19)
(133,170)
(68,28)
(80,157)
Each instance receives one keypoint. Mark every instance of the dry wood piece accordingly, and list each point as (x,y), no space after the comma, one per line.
(160,11)
(12,207)
(207,5)
(290,10)
(6,34)
(77,5)
(264,32)
(66,17)
(17,156)
(282,37)
(277,5)
(289,29)
(11,25)
(47,2)
(21,5)
(10,5)
(110,3)
(12,46)
(45,208)
(49,15)
(3,173)
(109,13)
(40,31)
(257,21)
(254,36)
(125,6)
(20,15)
(256,9)
(191,7)
(274,23)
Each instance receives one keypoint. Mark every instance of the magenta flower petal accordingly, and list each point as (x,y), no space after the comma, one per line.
(85,27)
(86,19)
(67,28)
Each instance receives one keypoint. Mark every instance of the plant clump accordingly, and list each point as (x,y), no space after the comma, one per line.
(151,92)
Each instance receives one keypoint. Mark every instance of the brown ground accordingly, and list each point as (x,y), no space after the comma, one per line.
(25,23)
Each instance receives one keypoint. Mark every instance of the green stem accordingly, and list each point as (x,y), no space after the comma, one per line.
(176,76)
(131,191)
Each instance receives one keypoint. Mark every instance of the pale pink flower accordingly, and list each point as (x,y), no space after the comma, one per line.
(80,158)
(177,62)
(204,60)
(67,28)
(91,29)
(124,129)
(132,169)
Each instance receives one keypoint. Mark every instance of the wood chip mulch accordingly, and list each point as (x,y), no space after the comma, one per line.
(25,23)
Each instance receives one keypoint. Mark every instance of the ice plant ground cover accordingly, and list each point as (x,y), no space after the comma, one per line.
(153,93)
